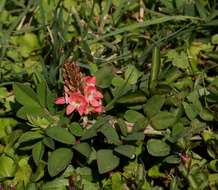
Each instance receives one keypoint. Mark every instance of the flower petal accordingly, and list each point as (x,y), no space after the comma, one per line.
(94,102)
(70,108)
(98,109)
(60,100)
(98,94)
(90,80)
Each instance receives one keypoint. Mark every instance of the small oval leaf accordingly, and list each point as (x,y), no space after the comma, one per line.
(158,148)
(61,135)
(58,160)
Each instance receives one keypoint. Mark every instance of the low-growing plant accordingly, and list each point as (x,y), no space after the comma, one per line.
(114,94)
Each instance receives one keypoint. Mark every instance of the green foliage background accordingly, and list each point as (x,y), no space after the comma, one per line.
(156,64)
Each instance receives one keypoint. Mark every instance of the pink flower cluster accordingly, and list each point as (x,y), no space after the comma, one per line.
(85,102)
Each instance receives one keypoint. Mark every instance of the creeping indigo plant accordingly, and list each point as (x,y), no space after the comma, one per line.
(144,85)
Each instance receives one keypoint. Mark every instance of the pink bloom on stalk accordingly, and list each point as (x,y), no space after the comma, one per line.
(93,96)
(98,109)
(77,102)
(89,81)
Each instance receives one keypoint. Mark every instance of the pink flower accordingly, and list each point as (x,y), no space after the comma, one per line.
(93,96)
(85,101)
(98,109)
(89,80)
(76,101)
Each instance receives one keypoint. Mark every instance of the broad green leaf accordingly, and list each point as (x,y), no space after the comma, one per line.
(85,172)
(157,148)
(117,183)
(58,160)
(106,160)
(213,165)
(37,152)
(179,60)
(30,136)
(110,133)
(190,110)
(153,105)
(133,116)
(32,186)
(104,76)
(56,184)
(60,134)
(42,93)
(132,98)
(122,126)
(155,172)
(32,111)
(206,115)
(172,159)
(25,95)
(132,74)
(83,148)
(126,150)
(40,171)
(24,171)
(8,167)
(163,120)
(88,185)
(49,142)
(76,129)
(89,133)
(214,39)
(136,136)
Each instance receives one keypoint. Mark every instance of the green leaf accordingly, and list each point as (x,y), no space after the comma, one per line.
(126,150)
(163,120)
(42,93)
(136,136)
(190,110)
(29,110)
(89,133)
(117,183)
(32,186)
(25,95)
(49,142)
(57,184)
(24,171)
(214,39)
(132,98)
(40,171)
(85,172)
(58,160)
(76,129)
(155,172)
(8,167)
(206,115)
(30,136)
(213,165)
(122,126)
(179,60)
(106,160)
(172,159)
(157,148)
(110,133)
(104,76)
(132,74)
(60,134)
(153,105)
(37,152)
(133,116)
(83,148)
